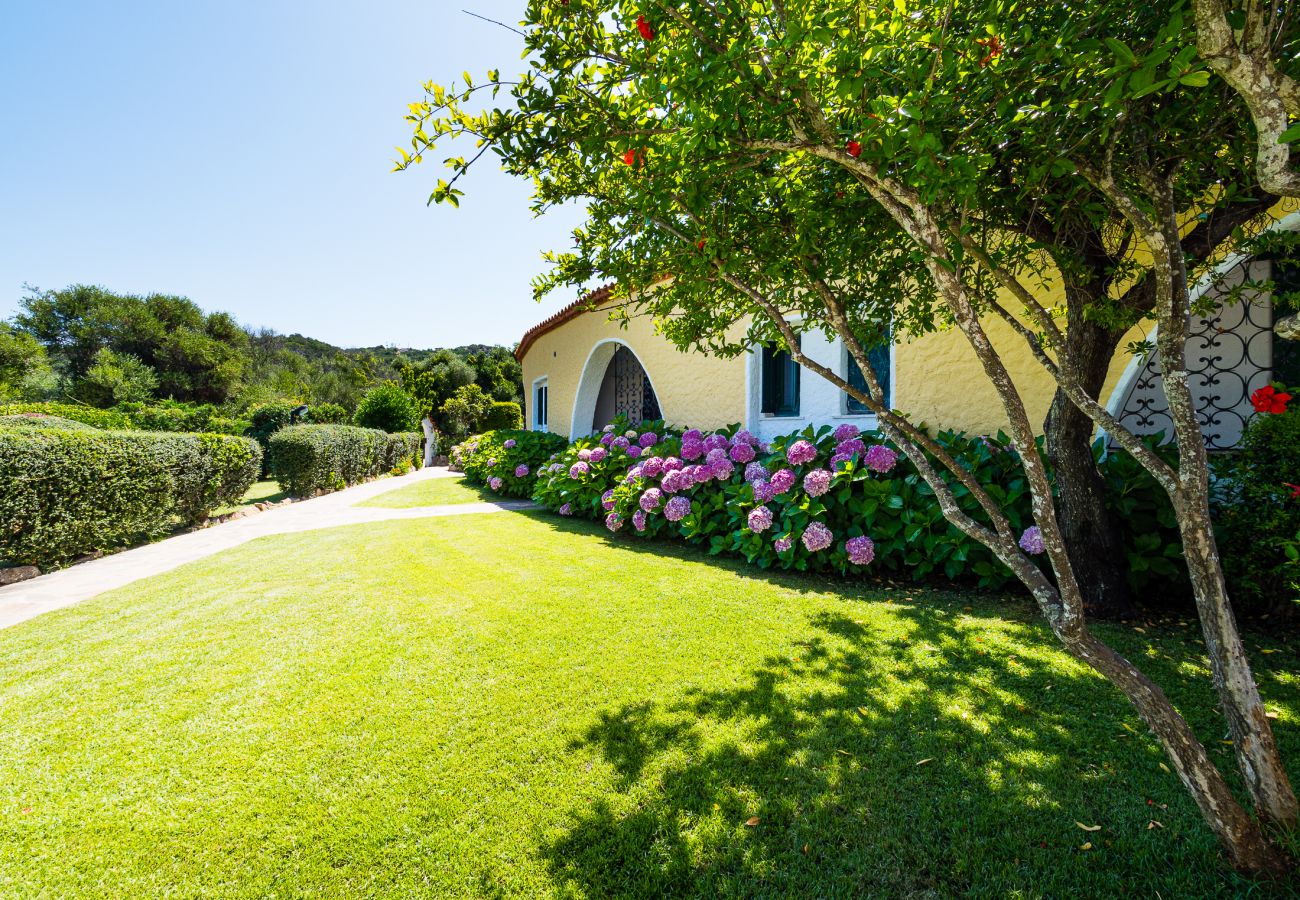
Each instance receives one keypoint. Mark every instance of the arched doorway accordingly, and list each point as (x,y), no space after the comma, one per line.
(614,383)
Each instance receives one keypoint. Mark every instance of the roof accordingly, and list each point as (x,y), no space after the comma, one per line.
(597,297)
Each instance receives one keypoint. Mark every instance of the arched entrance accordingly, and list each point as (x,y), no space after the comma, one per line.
(614,383)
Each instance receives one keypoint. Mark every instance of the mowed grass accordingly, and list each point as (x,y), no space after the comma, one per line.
(432,492)
(260,491)
(514,705)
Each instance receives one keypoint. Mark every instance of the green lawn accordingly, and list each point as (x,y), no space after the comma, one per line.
(517,705)
(432,492)
(260,491)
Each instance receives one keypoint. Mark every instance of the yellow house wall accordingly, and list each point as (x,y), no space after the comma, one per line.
(694,390)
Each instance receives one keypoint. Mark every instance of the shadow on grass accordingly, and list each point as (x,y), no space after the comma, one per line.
(937,750)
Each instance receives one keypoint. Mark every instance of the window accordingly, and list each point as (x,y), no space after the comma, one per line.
(539,405)
(878,356)
(780,383)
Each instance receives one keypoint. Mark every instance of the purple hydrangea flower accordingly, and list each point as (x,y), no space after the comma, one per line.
(861,550)
(597,454)
(649,439)
(840,458)
(633,451)
(607,439)
(495,483)
(847,432)
(782,545)
(817,537)
(607,499)
(492,462)
(741,452)
(651,499)
(1032,541)
(672,463)
(716,455)
(782,481)
(613,521)
(677,509)
(584,454)
(638,520)
(521,471)
(755,471)
(760,519)
(578,469)
(566,509)
(621,442)
(851,446)
(509,445)
(692,450)
(817,482)
(693,434)
(716,442)
(764,446)
(744,437)
(651,467)
(880,458)
(722,470)
(673,481)
(763,491)
(801,452)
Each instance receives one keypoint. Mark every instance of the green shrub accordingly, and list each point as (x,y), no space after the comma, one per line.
(87,415)
(65,492)
(388,408)
(507,462)
(327,414)
(306,459)
(266,419)
(1257,514)
(504,416)
(40,420)
(173,415)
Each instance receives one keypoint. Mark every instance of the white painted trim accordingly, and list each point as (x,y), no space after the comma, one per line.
(1115,401)
(588,392)
(532,407)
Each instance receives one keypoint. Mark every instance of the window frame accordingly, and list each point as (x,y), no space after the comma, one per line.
(847,363)
(776,409)
(541,398)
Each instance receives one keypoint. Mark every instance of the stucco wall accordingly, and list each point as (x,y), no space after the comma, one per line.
(694,390)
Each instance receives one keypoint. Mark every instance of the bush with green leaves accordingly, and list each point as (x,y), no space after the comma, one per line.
(504,416)
(388,408)
(87,415)
(327,414)
(65,492)
(174,415)
(116,378)
(465,411)
(309,459)
(507,461)
(40,420)
(1257,513)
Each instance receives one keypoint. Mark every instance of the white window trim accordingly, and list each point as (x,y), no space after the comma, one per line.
(541,382)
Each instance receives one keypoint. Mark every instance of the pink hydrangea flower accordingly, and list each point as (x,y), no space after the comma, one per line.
(650,499)
(716,442)
(817,482)
(693,434)
(649,439)
(840,458)
(1032,541)
(566,509)
(607,499)
(744,437)
(759,519)
(653,467)
(851,446)
(783,544)
(621,442)
(509,444)
(521,471)
(801,452)
(672,464)
(495,483)
(692,450)
(741,452)
(584,454)
(817,537)
(716,455)
(597,454)
(578,469)
(633,451)
(861,550)
(782,481)
(880,458)
(677,509)
(492,462)
(607,439)
(613,521)
(847,432)
(673,481)
(722,470)
(638,520)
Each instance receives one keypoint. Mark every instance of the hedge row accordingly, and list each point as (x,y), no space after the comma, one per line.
(307,459)
(65,492)
(507,461)
(87,415)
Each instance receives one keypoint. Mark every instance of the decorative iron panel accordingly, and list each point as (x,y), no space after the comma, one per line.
(634,397)
(1229,355)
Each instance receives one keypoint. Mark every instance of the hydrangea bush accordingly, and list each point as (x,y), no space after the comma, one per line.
(506,461)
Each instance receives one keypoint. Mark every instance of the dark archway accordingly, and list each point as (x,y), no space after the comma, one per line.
(625,390)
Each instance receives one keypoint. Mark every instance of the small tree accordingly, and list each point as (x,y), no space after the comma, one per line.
(388,408)
(465,412)
(115,378)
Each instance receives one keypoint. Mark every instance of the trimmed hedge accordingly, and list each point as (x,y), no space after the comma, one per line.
(87,415)
(40,420)
(507,462)
(175,416)
(66,492)
(503,416)
(306,459)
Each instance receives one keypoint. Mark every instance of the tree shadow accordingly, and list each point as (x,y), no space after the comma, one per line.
(920,760)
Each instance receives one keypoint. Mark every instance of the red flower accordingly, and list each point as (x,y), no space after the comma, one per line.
(701,244)
(644,27)
(853,148)
(992,49)
(1269,400)
(1295,489)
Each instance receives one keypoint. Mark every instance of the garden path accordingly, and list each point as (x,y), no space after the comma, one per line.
(66,587)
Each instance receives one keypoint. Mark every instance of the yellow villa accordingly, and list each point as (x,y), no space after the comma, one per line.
(582,368)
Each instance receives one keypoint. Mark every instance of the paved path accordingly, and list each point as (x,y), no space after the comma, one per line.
(28,599)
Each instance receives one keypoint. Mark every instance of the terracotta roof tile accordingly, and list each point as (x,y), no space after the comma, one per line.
(596,298)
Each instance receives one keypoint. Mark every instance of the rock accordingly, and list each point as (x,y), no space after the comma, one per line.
(88,557)
(17,574)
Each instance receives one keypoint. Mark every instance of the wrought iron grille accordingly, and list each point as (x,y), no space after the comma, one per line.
(634,397)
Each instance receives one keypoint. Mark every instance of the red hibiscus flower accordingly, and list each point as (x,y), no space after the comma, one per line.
(853,148)
(644,27)
(1295,489)
(1269,399)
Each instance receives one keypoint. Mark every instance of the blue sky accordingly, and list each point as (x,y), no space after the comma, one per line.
(239,153)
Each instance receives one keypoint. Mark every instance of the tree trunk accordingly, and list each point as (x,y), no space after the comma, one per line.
(1091,534)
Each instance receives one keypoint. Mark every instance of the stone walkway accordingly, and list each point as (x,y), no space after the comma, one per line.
(66,587)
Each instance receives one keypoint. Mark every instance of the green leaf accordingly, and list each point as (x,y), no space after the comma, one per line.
(1121,51)
(1290,136)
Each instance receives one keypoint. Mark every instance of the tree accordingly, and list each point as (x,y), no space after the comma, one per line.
(434,382)
(464,412)
(388,408)
(859,166)
(23,364)
(115,378)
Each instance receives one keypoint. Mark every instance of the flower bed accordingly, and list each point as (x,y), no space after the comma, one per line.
(506,461)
